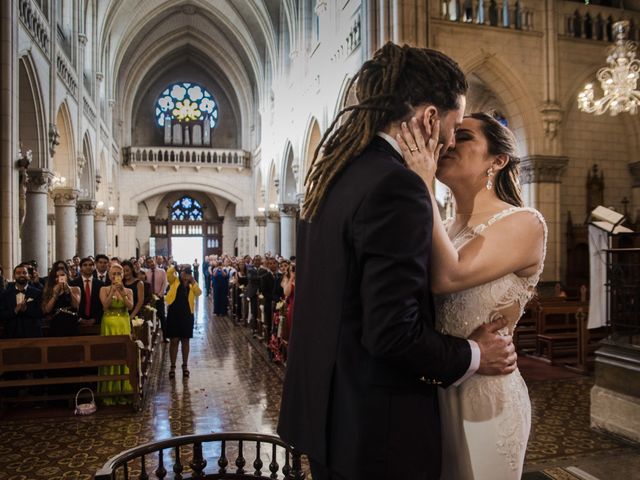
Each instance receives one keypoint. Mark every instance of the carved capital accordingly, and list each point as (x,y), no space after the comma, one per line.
(86,207)
(261,221)
(65,197)
(82,38)
(243,221)
(130,220)
(288,210)
(273,216)
(39,180)
(101,215)
(99,76)
(634,170)
(54,138)
(542,169)
(112,219)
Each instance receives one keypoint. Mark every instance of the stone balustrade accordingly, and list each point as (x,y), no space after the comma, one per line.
(594,22)
(36,23)
(66,72)
(512,14)
(188,156)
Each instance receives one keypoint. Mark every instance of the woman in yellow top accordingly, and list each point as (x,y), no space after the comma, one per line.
(181,299)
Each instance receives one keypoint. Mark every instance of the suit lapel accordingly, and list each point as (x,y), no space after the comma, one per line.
(380,144)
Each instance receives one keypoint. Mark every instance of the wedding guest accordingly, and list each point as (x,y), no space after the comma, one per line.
(148,294)
(20,307)
(3,280)
(268,284)
(61,301)
(196,269)
(220,282)
(90,308)
(241,282)
(288,285)
(102,267)
(206,272)
(132,282)
(253,285)
(35,280)
(181,298)
(158,281)
(116,301)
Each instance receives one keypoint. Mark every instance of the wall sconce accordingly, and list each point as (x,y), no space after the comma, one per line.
(111,209)
(100,204)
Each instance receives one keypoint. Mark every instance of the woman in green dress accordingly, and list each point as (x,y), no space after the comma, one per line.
(116,300)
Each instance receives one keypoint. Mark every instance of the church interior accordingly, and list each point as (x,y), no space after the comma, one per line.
(183,130)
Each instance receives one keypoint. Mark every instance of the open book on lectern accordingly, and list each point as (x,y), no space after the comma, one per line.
(608,220)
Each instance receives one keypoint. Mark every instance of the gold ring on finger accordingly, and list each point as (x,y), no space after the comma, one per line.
(414,149)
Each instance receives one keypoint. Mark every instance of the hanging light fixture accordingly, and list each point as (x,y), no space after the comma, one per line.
(618,81)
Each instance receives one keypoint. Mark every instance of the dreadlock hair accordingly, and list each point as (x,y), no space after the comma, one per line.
(502,141)
(388,87)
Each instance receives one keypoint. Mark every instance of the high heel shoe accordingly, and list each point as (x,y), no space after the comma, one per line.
(172,372)
(185,371)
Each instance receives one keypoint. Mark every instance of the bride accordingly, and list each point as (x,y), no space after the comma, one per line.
(487,261)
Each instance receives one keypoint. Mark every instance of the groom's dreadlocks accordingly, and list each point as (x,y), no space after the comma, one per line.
(387,88)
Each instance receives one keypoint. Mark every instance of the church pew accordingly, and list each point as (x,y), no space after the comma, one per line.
(557,329)
(62,354)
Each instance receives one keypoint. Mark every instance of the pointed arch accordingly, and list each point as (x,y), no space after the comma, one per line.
(311,140)
(288,183)
(64,159)
(86,180)
(345,97)
(32,123)
(520,108)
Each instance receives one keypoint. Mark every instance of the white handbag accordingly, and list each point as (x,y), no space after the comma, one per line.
(85,408)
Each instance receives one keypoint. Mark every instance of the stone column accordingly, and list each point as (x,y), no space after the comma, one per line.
(540,177)
(112,243)
(100,231)
(273,233)
(261,223)
(130,222)
(244,245)
(86,227)
(634,211)
(34,230)
(65,202)
(288,230)
(8,133)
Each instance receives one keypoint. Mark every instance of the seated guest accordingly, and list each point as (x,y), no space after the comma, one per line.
(61,301)
(136,286)
(90,309)
(102,267)
(116,301)
(20,309)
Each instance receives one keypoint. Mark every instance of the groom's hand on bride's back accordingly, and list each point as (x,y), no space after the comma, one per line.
(497,352)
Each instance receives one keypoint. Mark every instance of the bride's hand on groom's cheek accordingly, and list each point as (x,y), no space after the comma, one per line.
(497,352)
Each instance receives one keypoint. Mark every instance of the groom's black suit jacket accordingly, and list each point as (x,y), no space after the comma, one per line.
(359,393)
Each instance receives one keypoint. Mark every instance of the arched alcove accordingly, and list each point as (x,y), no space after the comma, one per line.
(312,140)
(87,174)
(288,188)
(31,119)
(64,161)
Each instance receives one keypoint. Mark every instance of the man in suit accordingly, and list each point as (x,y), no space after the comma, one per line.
(157,277)
(90,309)
(21,306)
(102,269)
(253,285)
(365,360)
(267,279)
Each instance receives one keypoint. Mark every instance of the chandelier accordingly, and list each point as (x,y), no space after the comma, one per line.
(618,80)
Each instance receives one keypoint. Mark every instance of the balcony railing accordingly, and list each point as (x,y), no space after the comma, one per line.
(171,156)
(36,23)
(594,22)
(495,13)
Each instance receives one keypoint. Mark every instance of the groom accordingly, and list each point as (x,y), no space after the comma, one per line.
(365,361)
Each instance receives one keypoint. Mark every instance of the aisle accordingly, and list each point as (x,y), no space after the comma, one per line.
(232,388)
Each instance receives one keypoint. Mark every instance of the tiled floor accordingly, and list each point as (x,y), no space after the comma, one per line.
(233,387)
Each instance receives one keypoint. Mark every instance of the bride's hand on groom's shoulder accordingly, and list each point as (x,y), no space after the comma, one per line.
(497,352)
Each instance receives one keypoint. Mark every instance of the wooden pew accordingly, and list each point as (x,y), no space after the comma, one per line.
(148,335)
(558,329)
(526,332)
(28,355)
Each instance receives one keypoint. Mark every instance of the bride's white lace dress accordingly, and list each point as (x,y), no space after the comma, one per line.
(486,420)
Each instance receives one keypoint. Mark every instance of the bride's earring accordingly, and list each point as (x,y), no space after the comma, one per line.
(490,179)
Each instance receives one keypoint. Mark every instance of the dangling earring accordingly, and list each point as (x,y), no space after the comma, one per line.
(489,180)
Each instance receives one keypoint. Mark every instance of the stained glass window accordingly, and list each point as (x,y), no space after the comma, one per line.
(186,102)
(186,209)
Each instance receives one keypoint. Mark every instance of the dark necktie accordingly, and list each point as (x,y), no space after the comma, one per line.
(87,298)
(153,280)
